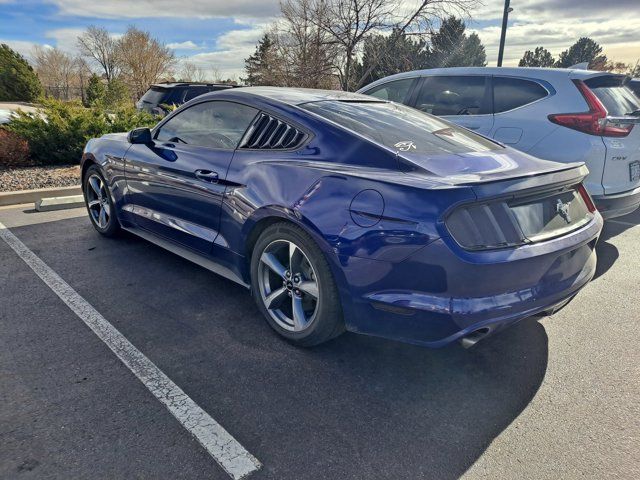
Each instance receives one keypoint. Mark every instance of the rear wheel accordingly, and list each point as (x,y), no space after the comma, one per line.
(293,286)
(99,204)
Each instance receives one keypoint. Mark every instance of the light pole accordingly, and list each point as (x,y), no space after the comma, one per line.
(505,19)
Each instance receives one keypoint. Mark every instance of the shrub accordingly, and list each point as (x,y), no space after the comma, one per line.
(117,94)
(58,133)
(14,150)
(18,81)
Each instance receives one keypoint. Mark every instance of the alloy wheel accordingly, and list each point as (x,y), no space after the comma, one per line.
(98,201)
(288,285)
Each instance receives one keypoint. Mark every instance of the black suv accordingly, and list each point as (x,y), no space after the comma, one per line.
(161,96)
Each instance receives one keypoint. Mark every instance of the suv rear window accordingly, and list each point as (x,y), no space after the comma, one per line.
(401,128)
(155,95)
(510,93)
(616,97)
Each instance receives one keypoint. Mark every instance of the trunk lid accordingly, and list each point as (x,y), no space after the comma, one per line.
(522,210)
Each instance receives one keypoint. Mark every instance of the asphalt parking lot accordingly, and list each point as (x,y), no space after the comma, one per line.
(556,398)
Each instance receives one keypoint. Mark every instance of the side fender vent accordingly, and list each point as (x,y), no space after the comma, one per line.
(269,133)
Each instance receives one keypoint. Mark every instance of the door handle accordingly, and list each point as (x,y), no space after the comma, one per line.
(207,175)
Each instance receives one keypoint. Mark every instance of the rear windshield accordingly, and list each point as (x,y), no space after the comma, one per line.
(617,98)
(401,128)
(155,95)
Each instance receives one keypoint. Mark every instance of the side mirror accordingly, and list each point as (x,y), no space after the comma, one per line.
(140,136)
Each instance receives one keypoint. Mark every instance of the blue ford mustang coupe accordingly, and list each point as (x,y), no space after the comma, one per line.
(343,212)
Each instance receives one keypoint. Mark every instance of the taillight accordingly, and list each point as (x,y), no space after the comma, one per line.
(593,122)
(587,198)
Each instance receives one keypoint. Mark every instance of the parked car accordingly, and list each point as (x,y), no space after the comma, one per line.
(555,114)
(8,109)
(162,96)
(634,84)
(341,211)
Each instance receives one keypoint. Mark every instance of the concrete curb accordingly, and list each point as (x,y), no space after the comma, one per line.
(59,203)
(29,196)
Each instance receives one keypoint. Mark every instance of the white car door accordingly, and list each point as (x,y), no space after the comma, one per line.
(462,99)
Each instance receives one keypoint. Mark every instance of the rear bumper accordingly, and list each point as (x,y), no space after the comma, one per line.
(618,204)
(441,295)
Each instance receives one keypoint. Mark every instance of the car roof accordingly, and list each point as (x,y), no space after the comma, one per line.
(534,72)
(295,96)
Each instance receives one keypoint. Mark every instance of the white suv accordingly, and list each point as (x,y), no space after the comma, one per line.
(556,114)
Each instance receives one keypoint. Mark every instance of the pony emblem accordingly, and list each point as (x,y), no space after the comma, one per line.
(563,210)
(405,146)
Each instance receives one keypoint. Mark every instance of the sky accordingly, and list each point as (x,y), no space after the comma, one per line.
(220,34)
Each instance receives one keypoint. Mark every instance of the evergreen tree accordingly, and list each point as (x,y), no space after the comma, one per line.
(385,55)
(584,50)
(259,66)
(18,81)
(451,47)
(95,90)
(540,57)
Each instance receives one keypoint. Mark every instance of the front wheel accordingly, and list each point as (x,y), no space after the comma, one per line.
(293,286)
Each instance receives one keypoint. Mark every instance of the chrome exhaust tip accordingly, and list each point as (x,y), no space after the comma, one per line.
(474,337)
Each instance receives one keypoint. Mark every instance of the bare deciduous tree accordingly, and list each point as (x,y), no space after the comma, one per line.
(190,72)
(143,59)
(97,44)
(306,51)
(57,70)
(347,22)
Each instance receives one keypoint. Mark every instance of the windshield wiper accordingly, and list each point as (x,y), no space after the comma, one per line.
(635,113)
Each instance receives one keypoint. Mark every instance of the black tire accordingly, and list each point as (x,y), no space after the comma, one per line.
(327,320)
(111,226)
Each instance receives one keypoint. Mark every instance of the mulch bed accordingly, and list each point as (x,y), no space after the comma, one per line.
(28,178)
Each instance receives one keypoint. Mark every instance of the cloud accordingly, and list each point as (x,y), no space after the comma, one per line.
(24,48)
(557,26)
(65,38)
(168,8)
(232,48)
(188,45)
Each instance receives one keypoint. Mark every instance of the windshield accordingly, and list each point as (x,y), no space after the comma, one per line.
(401,128)
(617,98)
(154,95)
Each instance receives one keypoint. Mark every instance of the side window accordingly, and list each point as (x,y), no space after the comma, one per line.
(395,91)
(209,124)
(445,95)
(510,93)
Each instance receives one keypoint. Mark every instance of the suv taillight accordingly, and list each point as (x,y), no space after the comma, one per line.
(593,122)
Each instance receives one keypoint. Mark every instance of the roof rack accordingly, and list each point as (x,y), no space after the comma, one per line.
(207,84)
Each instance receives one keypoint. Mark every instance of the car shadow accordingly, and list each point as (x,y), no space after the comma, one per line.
(432,413)
(356,407)
(606,251)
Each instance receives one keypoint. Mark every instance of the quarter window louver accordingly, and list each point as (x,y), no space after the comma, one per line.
(269,133)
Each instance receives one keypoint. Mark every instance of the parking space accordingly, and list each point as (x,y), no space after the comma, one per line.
(548,399)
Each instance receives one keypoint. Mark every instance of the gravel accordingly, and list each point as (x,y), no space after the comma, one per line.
(29,178)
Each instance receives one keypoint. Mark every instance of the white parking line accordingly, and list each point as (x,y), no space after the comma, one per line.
(225,449)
